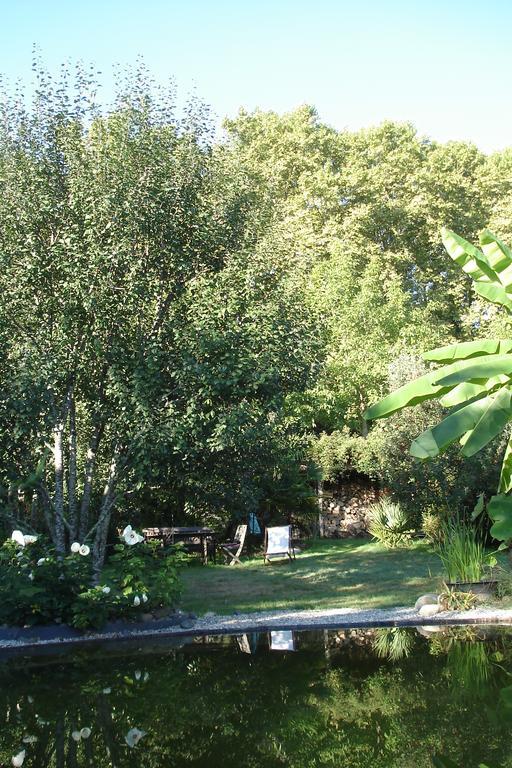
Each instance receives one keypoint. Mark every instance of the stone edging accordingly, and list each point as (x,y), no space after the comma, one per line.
(211,624)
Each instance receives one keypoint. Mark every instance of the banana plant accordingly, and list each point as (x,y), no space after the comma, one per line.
(474,379)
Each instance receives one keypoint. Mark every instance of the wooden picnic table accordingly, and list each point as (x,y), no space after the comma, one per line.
(173,534)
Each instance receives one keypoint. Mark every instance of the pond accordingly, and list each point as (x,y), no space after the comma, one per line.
(347,698)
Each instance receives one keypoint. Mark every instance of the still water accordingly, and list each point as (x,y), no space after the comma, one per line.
(351,699)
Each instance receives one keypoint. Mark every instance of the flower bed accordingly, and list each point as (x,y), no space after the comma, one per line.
(40,587)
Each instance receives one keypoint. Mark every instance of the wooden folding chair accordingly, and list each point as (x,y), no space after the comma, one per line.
(233,549)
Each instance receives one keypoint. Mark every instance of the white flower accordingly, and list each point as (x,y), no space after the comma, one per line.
(146,677)
(136,601)
(107,690)
(105,590)
(133,737)
(84,550)
(144,598)
(76,735)
(22,540)
(17,760)
(31,576)
(41,560)
(131,537)
(29,739)
(75,547)
(19,538)
(138,674)
(85,733)
(30,699)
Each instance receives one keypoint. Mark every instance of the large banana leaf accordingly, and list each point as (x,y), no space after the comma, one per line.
(469,391)
(413,393)
(495,293)
(468,256)
(468,349)
(478,377)
(496,415)
(431,442)
(499,510)
(477,370)
(505,484)
(499,257)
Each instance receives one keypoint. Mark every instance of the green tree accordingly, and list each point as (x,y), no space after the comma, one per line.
(475,382)
(115,231)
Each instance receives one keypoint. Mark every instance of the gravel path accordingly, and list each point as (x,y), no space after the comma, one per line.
(343,619)
(211,624)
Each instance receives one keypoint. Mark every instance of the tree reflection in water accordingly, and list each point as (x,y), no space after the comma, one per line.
(342,699)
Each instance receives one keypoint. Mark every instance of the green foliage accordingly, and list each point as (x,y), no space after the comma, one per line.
(212,312)
(41,588)
(452,599)
(166,326)
(144,571)
(390,524)
(393,643)
(500,512)
(477,382)
(503,576)
(38,587)
(462,551)
(432,527)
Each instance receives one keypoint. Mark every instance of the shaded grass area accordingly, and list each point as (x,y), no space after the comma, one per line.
(352,573)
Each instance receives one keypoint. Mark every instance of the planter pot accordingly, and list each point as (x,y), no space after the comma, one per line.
(484,589)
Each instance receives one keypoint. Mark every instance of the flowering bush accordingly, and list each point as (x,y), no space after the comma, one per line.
(143,576)
(38,587)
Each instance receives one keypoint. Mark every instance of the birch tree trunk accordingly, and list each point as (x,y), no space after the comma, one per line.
(101,527)
(72,455)
(320,495)
(58,498)
(90,462)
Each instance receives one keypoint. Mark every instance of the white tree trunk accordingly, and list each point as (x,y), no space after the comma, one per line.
(58,497)
(101,527)
(90,462)
(72,448)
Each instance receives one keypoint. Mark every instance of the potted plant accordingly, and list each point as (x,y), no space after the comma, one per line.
(466,563)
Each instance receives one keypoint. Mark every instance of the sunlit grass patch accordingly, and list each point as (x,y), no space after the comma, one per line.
(353,573)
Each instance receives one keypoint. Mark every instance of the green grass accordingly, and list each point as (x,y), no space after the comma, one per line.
(353,573)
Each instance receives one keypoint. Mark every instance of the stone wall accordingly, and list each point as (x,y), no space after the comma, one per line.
(344,508)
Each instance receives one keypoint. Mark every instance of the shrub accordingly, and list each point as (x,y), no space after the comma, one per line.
(452,600)
(144,575)
(39,588)
(504,578)
(432,527)
(389,524)
(36,586)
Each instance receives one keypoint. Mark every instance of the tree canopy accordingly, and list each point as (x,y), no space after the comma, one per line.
(187,322)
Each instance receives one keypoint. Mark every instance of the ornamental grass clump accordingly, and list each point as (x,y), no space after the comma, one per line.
(390,524)
(462,552)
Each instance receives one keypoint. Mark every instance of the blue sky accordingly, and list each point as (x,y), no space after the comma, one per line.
(445,65)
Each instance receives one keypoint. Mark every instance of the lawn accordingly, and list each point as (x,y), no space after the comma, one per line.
(352,573)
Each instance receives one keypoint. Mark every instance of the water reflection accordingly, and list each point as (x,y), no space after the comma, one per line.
(348,698)
(393,643)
